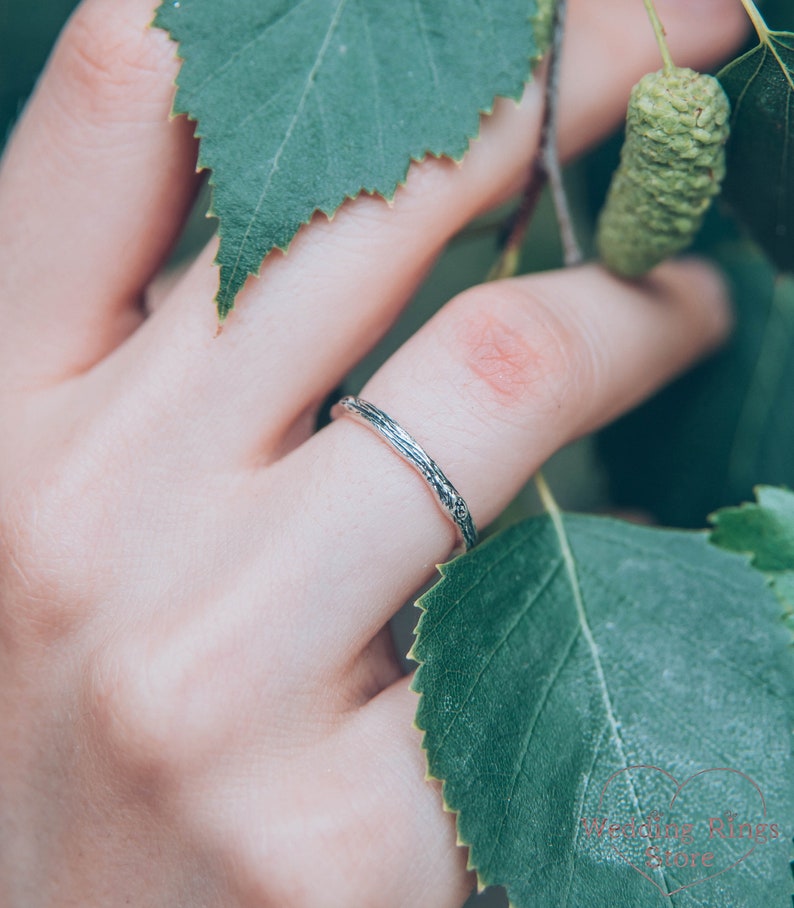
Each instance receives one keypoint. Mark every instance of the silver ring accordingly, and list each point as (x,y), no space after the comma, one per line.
(452,504)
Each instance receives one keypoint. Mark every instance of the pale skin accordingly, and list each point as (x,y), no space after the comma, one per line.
(199,703)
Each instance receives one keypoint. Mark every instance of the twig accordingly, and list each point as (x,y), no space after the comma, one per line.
(551,160)
(507,263)
(545,167)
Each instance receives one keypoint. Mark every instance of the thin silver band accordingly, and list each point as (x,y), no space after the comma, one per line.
(452,504)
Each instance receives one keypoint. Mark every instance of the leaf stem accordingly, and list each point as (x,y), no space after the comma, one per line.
(547,499)
(760,26)
(554,512)
(661,39)
(766,37)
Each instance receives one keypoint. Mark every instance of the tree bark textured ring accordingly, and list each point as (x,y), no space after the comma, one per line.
(452,504)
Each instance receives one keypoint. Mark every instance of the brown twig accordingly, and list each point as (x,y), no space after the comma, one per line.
(545,167)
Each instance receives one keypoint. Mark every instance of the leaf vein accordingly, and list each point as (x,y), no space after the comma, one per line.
(307,89)
(375,84)
(586,779)
(698,570)
(528,736)
(520,616)
(480,578)
(606,696)
(684,641)
(241,51)
(426,43)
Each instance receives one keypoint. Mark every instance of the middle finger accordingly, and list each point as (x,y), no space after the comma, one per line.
(297,331)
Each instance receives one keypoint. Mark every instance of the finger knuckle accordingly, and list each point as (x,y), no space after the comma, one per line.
(518,351)
(62,532)
(42,573)
(137,695)
(105,55)
(272,867)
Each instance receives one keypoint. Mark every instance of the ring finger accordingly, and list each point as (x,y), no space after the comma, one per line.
(496,382)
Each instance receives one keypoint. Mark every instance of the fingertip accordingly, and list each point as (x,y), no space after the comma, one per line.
(699,287)
(98,176)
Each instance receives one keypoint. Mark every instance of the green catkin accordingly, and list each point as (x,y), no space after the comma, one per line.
(671,166)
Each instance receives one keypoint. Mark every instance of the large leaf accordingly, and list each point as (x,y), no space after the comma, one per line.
(564,651)
(303,103)
(707,440)
(760,181)
(766,532)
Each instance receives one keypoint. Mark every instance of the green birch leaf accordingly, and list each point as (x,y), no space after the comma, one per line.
(583,680)
(760,182)
(766,532)
(303,103)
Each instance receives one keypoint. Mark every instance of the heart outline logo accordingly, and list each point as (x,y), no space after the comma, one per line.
(679,788)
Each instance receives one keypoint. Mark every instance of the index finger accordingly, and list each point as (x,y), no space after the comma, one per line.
(94,186)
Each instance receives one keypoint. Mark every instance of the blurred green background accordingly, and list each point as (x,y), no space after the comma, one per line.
(27,31)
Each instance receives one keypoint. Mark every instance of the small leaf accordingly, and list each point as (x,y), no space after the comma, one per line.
(303,103)
(765,531)
(556,655)
(760,181)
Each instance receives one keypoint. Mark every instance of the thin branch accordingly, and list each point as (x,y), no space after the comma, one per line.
(545,167)
(507,263)
(551,159)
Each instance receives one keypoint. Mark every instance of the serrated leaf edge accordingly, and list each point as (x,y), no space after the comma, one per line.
(460,842)
(416,684)
(787,611)
(556,518)
(224,309)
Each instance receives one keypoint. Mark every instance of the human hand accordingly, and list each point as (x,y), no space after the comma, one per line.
(199,699)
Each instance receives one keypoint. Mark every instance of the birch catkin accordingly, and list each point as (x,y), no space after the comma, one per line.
(671,166)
